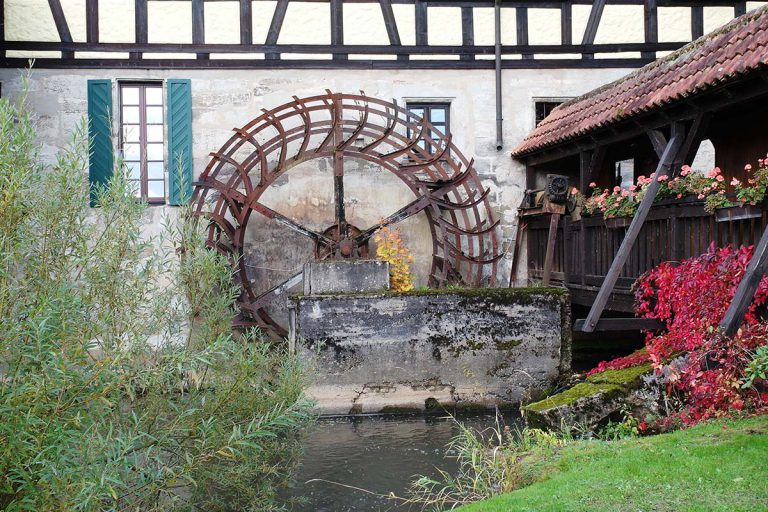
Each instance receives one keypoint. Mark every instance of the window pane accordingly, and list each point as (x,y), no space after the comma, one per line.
(417,111)
(130,95)
(136,187)
(133,170)
(155,115)
(131,115)
(155,133)
(131,133)
(155,170)
(156,189)
(437,115)
(154,95)
(154,152)
(131,152)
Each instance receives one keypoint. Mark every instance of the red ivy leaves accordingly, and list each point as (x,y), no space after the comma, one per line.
(691,298)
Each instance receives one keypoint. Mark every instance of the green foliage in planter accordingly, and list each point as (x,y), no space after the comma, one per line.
(109,400)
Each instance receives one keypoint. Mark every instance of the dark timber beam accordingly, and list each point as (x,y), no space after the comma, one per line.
(246,22)
(422,31)
(697,21)
(592,24)
(274,27)
(756,269)
(651,23)
(391,25)
(622,324)
(198,25)
(566,23)
(662,169)
(337,27)
(140,12)
(467,31)
(61,26)
(739,8)
(91,21)
(2,29)
(521,18)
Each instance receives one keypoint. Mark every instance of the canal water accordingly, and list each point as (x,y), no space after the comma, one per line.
(344,457)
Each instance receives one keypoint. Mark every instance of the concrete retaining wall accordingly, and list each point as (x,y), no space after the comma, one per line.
(395,352)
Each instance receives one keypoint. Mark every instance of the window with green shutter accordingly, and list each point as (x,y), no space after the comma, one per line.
(101,158)
(179,141)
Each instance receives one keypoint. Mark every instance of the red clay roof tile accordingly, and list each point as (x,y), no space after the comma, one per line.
(720,56)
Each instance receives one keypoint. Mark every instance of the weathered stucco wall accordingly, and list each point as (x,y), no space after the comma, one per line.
(383,352)
(230,98)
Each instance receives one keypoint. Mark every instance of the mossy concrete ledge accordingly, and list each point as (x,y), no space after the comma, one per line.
(379,352)
(588,403)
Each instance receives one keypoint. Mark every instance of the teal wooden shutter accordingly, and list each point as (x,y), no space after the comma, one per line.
(101,158)
(179,141)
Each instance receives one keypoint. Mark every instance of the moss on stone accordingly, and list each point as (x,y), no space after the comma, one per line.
(499,295)
(628,378)
(570,396)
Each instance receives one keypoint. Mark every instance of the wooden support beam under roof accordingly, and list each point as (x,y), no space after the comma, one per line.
(337,27)
(467,31)
(566,23)
(671,149)
(198,25)
(422,30)
(745,293)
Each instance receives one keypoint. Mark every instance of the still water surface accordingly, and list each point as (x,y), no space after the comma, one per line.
(381,454)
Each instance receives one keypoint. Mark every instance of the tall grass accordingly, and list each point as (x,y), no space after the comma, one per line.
(491,462)
(122,386)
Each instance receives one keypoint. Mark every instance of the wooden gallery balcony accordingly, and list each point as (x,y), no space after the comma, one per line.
(585,249)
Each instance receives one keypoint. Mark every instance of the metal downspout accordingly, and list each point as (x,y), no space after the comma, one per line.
(497,42)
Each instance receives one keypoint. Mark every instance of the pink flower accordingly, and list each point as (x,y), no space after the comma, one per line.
(735,182)
(701,196)
(751,181)
(592,185)
(574,191)
(662,179)
(720,178)
(633,187)
(748,167)
(616,189)
(640,179)
(679,196)
(624,193)
(686,169)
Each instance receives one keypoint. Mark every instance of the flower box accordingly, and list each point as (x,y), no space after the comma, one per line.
(732,213)
(618,222)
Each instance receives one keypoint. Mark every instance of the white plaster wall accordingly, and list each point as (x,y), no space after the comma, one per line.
(309,23)
(231,98)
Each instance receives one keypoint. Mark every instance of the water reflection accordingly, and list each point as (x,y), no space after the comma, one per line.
(381,454)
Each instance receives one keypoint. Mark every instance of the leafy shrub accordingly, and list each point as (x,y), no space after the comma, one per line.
(704,371)
(122,386)
(390,248)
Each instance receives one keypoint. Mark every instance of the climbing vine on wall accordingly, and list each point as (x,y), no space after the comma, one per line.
(390,248)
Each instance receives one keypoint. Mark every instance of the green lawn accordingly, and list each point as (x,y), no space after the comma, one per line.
(716,466)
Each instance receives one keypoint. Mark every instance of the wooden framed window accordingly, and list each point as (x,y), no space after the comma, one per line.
(438,115)
(543,109)
(142,138)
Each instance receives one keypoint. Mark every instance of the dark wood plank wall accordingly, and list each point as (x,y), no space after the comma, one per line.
(531,56)
(673,231)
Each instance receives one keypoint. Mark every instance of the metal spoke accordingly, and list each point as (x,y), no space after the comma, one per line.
(292,224)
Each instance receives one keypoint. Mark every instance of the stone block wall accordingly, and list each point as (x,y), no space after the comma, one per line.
(389,352)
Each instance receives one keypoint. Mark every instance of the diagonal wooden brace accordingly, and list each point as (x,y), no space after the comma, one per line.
(668,156)
(756,269)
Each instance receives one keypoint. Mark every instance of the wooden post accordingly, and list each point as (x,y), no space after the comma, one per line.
(551,239)
(516,250)
(662,169)
(747,287)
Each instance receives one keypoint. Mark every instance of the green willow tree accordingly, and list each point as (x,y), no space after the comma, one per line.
(122,386)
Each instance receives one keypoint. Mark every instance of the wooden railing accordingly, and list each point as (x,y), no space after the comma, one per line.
(584,249)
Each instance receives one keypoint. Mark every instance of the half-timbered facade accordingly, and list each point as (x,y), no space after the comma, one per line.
(170,79)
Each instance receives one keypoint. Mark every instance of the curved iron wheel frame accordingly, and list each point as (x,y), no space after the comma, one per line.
(446,187)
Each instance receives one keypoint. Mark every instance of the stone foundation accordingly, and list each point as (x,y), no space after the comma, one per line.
(387,352)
